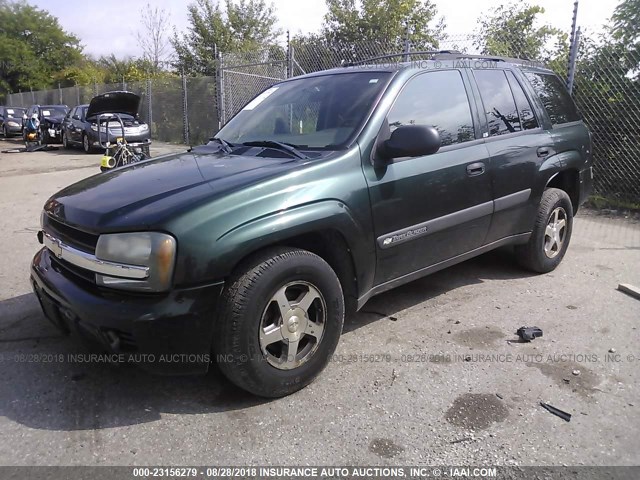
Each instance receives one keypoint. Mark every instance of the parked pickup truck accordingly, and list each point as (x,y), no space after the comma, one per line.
(322,192)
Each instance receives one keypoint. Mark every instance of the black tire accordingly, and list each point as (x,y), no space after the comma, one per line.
(86,146)
(146,151)
(538,254)
(65,141)
(5,133)
(246,302)
(44,137)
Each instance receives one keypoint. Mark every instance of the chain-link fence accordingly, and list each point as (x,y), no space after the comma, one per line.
(191,109)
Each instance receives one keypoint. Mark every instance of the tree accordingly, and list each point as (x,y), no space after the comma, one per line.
(33,47)
(389,22)
(237,27)
(153,36)
(512,31)
(625,30)
(116,70)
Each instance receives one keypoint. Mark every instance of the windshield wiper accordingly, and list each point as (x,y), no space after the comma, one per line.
(225,146)
(277,146)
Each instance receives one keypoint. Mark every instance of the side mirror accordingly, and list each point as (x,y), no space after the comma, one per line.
(411,141)
(76,117)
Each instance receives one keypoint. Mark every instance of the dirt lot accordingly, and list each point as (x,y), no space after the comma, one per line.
(426,374)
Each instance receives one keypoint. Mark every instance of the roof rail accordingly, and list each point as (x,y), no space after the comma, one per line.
(493,58)
(403,54)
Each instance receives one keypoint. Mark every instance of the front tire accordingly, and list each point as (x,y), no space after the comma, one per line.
(551,233)
(65,141)
(86,146)
(279,322)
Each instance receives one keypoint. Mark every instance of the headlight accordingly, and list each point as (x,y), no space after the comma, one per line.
(13,124)
(154,250)
(144,127)
(94,127)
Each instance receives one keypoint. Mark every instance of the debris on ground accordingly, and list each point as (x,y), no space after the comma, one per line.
(499,396)
(527,334)
(576,372)
(394,375)
(556,411)
(630,290)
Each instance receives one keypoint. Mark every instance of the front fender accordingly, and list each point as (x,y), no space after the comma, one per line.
(276,228)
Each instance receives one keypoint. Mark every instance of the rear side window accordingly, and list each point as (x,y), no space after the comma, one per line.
(554,96)
(499,105)
(527,117)
(438,99)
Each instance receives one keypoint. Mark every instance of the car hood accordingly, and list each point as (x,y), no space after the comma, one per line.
(148,193)
(53,119)
(114,102)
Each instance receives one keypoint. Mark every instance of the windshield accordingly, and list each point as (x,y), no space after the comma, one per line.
(321,112)
(14,112)
(54,111)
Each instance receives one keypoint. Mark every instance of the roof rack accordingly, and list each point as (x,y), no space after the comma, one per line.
(403,54)
(493,58)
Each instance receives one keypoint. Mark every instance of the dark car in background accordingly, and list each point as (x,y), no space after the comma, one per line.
(51,117)
(82,127)
(11,121)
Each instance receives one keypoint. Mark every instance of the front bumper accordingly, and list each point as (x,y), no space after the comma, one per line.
(166,334)
(53,133)
(142,139)
(13,130)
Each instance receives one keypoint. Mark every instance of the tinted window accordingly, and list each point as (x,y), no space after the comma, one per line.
(527,117)
(438,99)
(499,105)
(554,96)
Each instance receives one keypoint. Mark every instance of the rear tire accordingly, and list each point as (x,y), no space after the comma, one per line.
(551,233)
(279,322)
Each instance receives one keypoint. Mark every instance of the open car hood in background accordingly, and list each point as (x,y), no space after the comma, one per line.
(114,102)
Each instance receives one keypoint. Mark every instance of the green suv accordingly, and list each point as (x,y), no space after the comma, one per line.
(322,192)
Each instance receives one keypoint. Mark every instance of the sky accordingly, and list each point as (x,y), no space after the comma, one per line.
(106,27)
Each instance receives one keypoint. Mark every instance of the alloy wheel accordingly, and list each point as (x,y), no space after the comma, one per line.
(555,232)
(292,325)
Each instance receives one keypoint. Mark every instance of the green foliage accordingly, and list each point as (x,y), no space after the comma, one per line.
(350,21)
(33,47)
(625,30)
(608,94)
(237,27)
(512,31)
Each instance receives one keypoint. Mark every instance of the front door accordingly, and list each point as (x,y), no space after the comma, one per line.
(432,208)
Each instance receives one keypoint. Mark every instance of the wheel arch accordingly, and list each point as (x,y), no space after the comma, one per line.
(568,181)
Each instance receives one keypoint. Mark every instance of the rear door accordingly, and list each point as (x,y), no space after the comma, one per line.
(432,208)
(517,144)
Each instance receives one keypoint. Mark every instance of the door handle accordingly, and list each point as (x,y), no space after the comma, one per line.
(475,169)
(543,152)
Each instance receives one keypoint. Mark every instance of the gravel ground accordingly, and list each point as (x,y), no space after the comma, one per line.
(430,373)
